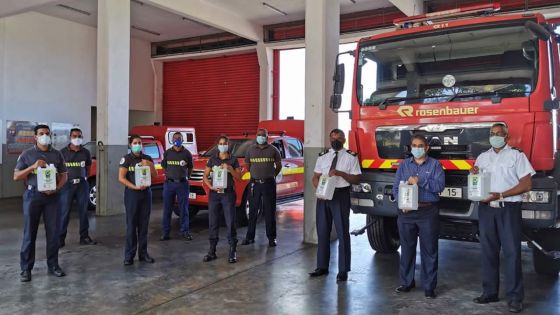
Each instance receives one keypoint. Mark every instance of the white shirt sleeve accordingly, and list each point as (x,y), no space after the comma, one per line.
(523,167)
(318,165)
(355,167)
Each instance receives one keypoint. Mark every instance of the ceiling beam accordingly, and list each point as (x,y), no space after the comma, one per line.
(409,7)
(11,7)
(215,16)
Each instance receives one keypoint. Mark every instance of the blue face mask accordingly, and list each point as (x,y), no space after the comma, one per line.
(177,142)
(136,148)
(223,148)
(418,152)
(261,139)
(497,141)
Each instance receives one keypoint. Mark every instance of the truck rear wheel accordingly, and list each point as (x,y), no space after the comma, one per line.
(549,239)
(92,199)
(383,234)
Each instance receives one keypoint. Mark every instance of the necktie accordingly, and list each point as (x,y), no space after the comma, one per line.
(334,161)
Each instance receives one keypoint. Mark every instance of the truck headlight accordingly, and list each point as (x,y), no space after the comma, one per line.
(362,187)
(536,196)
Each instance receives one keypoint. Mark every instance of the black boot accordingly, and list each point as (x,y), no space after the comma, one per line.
(211,252)
(232,253)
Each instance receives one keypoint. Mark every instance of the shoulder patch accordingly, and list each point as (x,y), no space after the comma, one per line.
(352,152)
(324,152)
(122,161)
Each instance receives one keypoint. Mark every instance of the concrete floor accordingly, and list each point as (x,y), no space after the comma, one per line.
(264,281)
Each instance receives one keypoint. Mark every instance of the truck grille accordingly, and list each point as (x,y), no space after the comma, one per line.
(197,175)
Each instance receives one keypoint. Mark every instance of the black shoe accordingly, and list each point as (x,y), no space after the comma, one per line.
(247,242)
(232,259)
(25,276)
(164,238)
(187,237)
(272,243)
(128,262)
(515,307)
(56,271)
(341,276)
(61,244)
(430,294)
(209,257)
(147,259)
(404,288)
(483,299)
(87,241)
(318,272)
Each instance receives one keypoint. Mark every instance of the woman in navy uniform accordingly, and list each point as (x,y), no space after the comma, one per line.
(137,200)
(224,198)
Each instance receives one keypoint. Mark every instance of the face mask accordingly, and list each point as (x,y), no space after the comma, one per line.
(336,145)
(261,139)
(44,140)
(223,148)
(76,141)
(136,148)
(417,152)
(497,141)
(177,142)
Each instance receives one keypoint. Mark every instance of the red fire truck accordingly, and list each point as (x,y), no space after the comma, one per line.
(449,76)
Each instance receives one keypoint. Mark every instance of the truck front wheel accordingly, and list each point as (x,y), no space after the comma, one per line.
(549,239)
(383,234)
(92,199)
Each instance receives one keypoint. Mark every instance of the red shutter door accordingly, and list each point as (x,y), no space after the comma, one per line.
(215,96)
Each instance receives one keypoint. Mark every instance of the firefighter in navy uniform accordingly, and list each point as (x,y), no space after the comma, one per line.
(138,202)
(178,165)
(499,218)
(224,198)
(345,167)
(78,163)
(264,163)
(37,203)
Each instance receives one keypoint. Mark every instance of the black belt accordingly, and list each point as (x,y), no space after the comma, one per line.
(424,205)
(74,181)
(262,181)
(342,188)
(182,180)
(227,190)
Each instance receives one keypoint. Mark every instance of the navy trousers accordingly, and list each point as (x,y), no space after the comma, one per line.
(172,190)
(225,201)
(79,192)
(138,204)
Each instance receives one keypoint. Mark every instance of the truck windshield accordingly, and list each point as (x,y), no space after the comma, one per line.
(238,147)
(448,65)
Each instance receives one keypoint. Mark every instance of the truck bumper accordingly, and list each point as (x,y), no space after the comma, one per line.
(380,201)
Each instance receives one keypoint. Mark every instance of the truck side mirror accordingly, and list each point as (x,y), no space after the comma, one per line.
(538,30)
(336,101)
(338,79)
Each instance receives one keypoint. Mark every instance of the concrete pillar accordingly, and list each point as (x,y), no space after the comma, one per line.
(113,76)
(265,56)
(322,20)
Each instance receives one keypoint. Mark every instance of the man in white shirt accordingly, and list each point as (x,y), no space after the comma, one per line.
(500,217)
(344,167)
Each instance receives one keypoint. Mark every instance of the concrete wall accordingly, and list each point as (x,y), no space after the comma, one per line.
(48,73)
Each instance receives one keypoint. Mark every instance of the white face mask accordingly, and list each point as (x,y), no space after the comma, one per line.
(77,141)
(44,140)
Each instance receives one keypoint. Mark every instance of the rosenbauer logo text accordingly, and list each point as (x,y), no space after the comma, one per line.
(409,111)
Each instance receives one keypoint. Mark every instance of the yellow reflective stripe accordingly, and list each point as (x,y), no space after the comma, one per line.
(292,171)
(246,176)
(367,163)
(158,166)
(387,164)
(461,164)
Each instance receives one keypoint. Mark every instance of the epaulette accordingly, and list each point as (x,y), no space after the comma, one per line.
(352,152)
(324,152)
(517,149)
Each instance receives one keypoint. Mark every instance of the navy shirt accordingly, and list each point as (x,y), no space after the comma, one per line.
(31,155)
(76,162)
(176,163)
(130,161)
(431,178)
(216,161)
